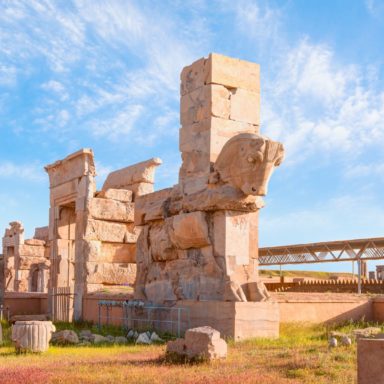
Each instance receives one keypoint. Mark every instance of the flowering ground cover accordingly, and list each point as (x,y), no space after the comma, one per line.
(300,355)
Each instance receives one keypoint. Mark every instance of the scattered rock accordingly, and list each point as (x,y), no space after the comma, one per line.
(366,332)
(143,339)
(110,338)
(155,338)
(85,334)
(84,343)
(121,340)
(98,339)
(332,343)
(202,343)
(346,341)
(65,337)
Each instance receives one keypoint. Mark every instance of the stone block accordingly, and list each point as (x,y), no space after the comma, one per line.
(64,192)
(194,76)
(223,70)
(232,238)
(370,354)
(34,242)
(41,233)
(111,210)
(109,231)
(37,251)
(189,230)
(161,247)
(238,320)
(111,273)
(199,343)
(72,167)
(143,172)
(123,195)
(245,106)
(98,251)
(233,73)
(204,102)
(151,206)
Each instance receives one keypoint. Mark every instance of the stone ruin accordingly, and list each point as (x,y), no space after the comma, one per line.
(193,245)
(25,262)
(92,233)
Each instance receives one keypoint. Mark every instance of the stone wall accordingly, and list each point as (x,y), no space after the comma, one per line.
(92,233)
(25,262)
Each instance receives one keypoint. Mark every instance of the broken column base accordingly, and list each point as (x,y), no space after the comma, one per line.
(237,320)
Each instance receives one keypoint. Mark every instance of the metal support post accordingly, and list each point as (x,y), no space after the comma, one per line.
(359,277)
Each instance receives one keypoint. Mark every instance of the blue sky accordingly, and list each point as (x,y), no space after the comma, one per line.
(105,75)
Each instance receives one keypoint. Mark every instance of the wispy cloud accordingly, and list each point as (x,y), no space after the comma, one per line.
(28,172)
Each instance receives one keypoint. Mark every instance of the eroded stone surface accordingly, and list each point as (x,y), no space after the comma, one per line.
(199,343)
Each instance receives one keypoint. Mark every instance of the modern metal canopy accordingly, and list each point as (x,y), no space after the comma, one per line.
(329,251)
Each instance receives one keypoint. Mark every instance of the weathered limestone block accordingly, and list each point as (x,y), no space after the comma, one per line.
(110,232)
(370,354)
(199,343)
(37,251)
(151,206)
(139,173)
(34,242)
(111,273)
(161,247)
(72,167)
(41,233)
(65,337)
(123,195)
(223,70)
(111,210)
(32,336)
(63,192)
(98,251)
(223,197)
(25,262)
(204,102)
(245,106)
(189,230)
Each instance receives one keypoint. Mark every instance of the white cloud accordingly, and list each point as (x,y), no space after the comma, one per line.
(118,126)
(29,172)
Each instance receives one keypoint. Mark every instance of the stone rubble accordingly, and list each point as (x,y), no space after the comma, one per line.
(65,337)
(201,343)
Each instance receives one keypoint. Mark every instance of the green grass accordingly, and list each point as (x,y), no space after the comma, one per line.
(300,355)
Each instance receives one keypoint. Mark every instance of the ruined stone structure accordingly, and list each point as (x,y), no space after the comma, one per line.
(198,239)
(193,245)
(92,236)
(25,262)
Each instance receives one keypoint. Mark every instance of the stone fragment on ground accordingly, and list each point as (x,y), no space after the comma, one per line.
(99,339)
(155,338)
(110,338)
(121,340)
(332,342)
(201,343)
(64,337)
(32,336)
(143,338)
(346,341)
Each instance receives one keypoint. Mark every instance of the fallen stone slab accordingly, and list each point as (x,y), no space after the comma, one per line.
(99,339)
(366,332)
(121,340)
(201,343)
(65,337)
(143,339)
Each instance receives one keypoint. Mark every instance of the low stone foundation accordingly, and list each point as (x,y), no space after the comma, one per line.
(238,320)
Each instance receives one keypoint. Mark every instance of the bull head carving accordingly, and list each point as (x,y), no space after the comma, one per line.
(247,161)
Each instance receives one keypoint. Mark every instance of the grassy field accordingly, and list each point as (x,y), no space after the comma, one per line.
(300,355)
